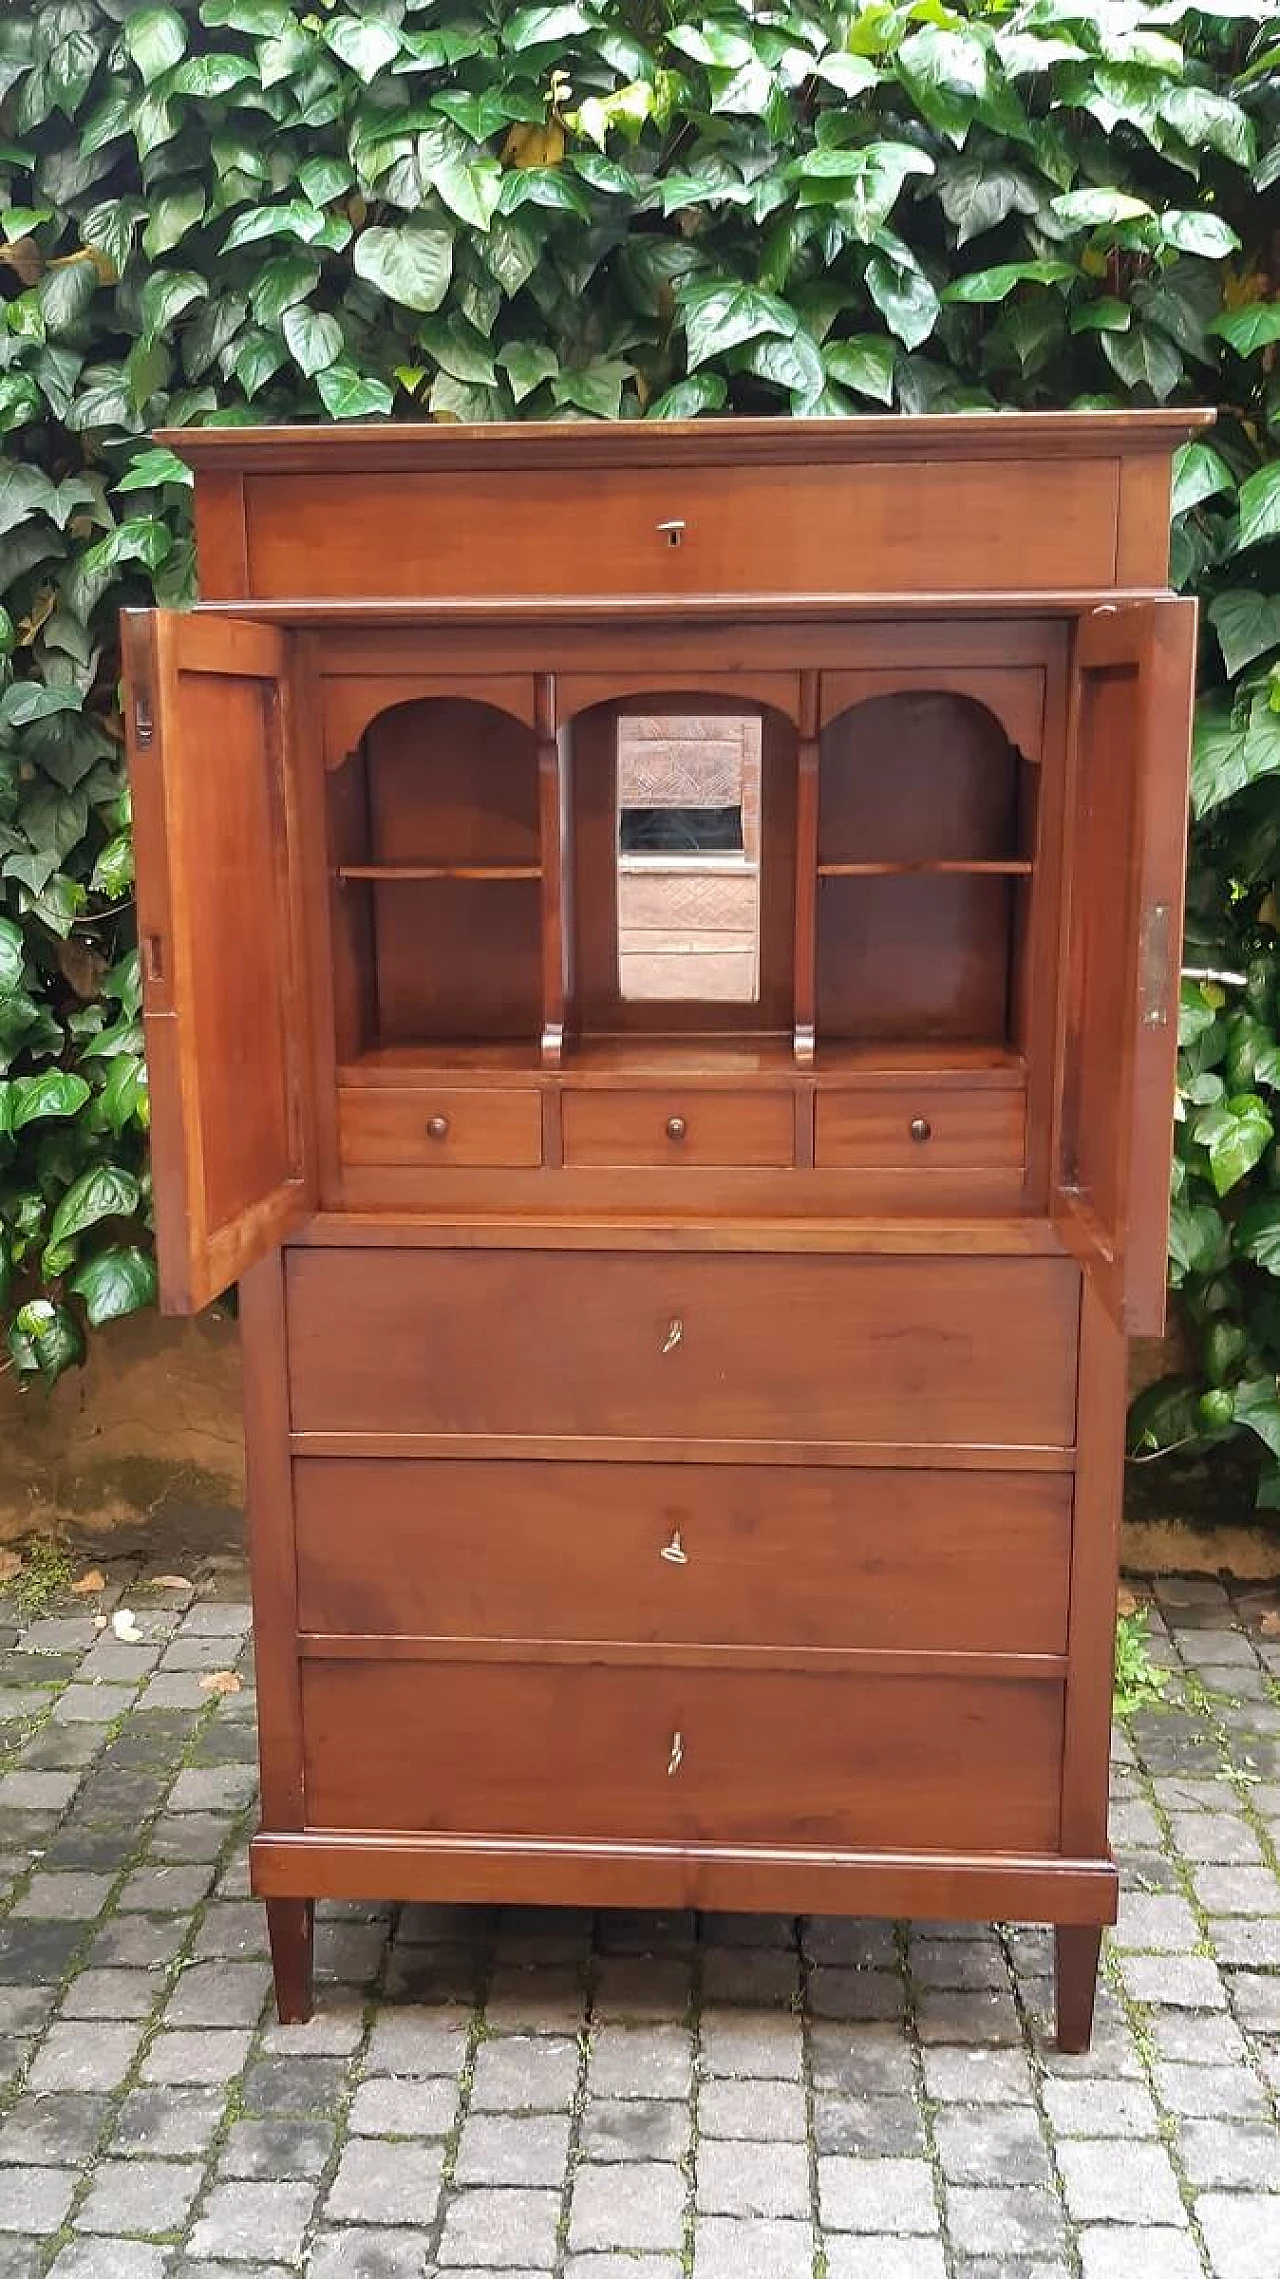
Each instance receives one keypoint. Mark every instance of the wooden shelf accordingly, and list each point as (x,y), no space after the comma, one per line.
(1012,868)
(473,871)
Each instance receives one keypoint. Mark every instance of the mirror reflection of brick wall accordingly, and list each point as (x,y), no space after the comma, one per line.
(689,885)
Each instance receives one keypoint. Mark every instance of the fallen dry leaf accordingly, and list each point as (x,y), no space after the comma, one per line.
(1127,1602)
(1270,1623)
(99,1622)
(124,1622)
(10,1566)
(89,1584)
(220,1681)
(168,1583)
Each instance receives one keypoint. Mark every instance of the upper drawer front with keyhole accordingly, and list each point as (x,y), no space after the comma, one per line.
(667,1346)
(434,1126)
(683,1754)
(619,1128)
(687,529)
(921,1127)
(689,1554)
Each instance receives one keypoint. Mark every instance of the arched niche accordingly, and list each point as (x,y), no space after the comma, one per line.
(927,818)
(435,860)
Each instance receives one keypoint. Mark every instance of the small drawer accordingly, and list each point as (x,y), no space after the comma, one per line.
(738,1555)
(446,1126)
(688,1128)
(920,1127)
(656,1754)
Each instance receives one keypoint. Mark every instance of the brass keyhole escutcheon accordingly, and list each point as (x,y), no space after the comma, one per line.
(676,1127)
(676,1758)
(674,1552)
(672,531)
(438,1127)
(674,1337)
(921,1130)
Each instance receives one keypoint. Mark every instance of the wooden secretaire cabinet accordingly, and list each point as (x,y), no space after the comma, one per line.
(660,948)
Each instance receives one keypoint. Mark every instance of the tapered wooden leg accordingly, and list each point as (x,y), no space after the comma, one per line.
(1076,1950)
(290,1928)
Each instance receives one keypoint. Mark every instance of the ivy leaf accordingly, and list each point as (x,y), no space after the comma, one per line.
(45,1337)
(104,1191)
(1199,472)
(1198,1242)
(115,1282)
(24,491)
(984,285)
(469,190)
(156,38)
(208,76)
(1257,1404)
(457,348)
(721,316)
(544,27)
(1247,625)
(527,363)
(1250,329)
(904,296)
(1236,1134)
(142,538)
(412,265)
(1098,209)
(688,399)
(113,870)
(1233,745)
(55,1092)
(314,340)
(1144,357)
(1205,234)
(11,957)
(1260,506)
(26,701)
(363,44)
(864,364)
(282,282)
(166,294)
(976,196)
(1256,1234)
(151,470)
(262,19)
(346,395)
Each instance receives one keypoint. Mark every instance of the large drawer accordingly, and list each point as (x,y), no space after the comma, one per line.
(683,1755)
(662,1347)
(694,1554)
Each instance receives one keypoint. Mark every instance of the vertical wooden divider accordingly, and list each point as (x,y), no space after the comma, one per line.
(553,821)
(806,941)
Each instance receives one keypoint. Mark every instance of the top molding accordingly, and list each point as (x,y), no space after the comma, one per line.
(963,506)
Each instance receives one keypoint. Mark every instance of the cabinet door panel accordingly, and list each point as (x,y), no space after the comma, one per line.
(218,923)
(1134,673)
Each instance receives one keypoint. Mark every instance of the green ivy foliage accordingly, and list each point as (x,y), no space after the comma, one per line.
(234,210)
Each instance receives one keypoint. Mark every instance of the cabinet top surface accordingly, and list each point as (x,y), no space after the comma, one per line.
(761,442)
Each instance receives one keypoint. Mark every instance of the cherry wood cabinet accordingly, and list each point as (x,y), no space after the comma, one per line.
(660,950)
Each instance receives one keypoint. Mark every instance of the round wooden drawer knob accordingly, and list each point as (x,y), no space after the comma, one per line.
(438,1128)
(921,1129)
(676,1127)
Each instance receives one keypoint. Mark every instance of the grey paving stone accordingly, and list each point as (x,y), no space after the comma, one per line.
(635,2128)
(631,1988)
(493,2230)
(969,1965)
(1190,2038)
(857,1995)
(985,2221)
(513,2148)
(870,2127)
(214,1788)
(64,1898)
(1242,2233)
(1110,2182)
(379,2183)
(729,2249)
(885,2259)
(236,1928)
(1237,1890)
(337,2030)
(977,2076)
(113,1994)
(876,2195)
(245,2222)
(59,2129)
(266,2149)
(1209,2091)
(1181,1982)
(657,2062)
(148,2196)
(994,2141)
(743,2179)
(208,1619)
(165,1888)
(1220,1837)
(187,1838)
(109,2259)
(422,2042)
(1156,1920)
(20,2258)
(219,1994)
(201,2056)
(639,2204)
(137,1942)
(767,2112)
(1255,1998)
(168,2123)
(623,2267)
(399,2106)
(1094,2109)
(95,1704)
(1119,2251)
(1243,1942)
(35,2201)
(524,2073)
(87,2054)
(293,2085)
(384,2254)
(25,2009)
(37,1954)
(112,1662)
(1230,2153)
(943,2015)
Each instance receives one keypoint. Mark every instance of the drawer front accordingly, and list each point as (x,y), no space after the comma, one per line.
(440,1126)
(690,1554)
(668,1346)
(690,1128)
(682,1755)
(912,1127)
(688,529)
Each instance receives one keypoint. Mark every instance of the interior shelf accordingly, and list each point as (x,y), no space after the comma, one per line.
(483,872)
(1010,867)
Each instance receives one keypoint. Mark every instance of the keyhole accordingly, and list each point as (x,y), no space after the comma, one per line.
(673,532)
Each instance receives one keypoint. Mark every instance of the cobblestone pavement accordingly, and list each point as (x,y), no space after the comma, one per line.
(624,2097)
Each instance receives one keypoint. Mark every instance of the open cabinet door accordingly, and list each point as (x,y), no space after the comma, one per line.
(1134,668)
(215,822)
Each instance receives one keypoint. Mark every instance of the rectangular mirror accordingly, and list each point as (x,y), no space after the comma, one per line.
(688,856)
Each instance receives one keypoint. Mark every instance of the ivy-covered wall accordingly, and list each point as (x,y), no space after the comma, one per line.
(232,210)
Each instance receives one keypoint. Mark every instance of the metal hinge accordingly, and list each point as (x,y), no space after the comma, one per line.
(143,722)
(1154,966)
